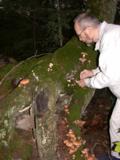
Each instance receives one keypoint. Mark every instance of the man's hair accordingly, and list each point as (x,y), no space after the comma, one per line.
(86,20)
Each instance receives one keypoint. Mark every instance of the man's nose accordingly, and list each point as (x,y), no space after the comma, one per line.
(81,39)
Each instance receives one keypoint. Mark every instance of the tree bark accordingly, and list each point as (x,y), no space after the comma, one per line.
(103,9)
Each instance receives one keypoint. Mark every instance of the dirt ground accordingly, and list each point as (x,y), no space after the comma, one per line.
(96,129)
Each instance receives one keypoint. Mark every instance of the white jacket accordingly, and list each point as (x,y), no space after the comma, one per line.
(108,72)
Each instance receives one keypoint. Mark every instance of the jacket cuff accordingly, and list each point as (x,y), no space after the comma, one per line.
(95,71)
(87,82)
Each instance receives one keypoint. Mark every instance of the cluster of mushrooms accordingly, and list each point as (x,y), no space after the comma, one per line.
(73,143)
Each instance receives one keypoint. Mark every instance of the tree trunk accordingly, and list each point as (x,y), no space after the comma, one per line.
(103,9)
(60,36)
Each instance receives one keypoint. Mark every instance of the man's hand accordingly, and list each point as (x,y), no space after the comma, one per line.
(81,83)
(83,75)
(86,74)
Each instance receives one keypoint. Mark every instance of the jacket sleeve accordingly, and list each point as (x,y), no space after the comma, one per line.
(109,63)
(98,81)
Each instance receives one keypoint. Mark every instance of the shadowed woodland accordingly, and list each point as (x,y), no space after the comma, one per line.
(41,107)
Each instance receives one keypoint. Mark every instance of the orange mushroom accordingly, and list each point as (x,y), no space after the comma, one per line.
(24,81)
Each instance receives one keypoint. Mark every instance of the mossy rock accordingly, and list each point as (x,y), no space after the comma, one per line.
(45,84)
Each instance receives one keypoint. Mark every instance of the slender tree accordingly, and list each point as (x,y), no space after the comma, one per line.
(59,23)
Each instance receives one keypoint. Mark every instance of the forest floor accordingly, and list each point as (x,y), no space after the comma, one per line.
(96,129)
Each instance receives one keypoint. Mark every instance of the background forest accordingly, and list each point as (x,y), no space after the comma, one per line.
(40,26)
(36,27)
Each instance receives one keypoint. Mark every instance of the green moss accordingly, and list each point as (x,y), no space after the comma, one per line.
(65,64)
(22,70)
(4,70)
(19,146)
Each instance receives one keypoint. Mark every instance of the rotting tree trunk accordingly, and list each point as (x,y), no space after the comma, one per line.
(38,104)
(103,9)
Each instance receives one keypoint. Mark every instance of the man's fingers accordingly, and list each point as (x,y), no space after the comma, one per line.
(78,82)
(84,71)
(82,75)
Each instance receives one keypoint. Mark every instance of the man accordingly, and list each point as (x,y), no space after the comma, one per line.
(107,39)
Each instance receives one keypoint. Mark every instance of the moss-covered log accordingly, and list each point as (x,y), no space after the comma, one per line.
(34,94)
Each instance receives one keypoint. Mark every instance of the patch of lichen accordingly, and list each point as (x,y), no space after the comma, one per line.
(16,149)
(12,143)
(20,96)
(46,136)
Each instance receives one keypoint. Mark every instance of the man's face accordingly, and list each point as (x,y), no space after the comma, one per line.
(85,35)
